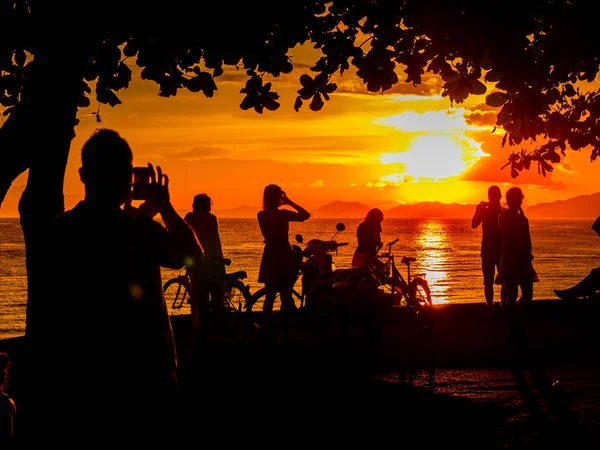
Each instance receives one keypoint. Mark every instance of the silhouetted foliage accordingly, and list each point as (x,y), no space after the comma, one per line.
(533,55)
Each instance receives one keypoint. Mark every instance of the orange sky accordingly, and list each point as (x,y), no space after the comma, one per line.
(405,146)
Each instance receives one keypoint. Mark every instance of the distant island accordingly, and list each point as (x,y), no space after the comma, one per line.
(341,210)
(580,207)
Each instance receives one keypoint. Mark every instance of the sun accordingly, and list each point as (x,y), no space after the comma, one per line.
(434,156)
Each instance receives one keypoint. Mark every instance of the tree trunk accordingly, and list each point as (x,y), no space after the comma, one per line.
(14,160)
(50,99)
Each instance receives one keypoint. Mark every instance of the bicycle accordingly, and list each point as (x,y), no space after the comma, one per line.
(414,291)
(236,294)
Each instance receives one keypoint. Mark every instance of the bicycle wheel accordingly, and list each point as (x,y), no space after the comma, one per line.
(420,294)
(236,296)
(257,300)
(177,296)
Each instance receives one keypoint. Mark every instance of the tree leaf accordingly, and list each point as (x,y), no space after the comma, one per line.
(306,81)
(477,87)
(20,58)
(317,103)
(496,99)
(329,88)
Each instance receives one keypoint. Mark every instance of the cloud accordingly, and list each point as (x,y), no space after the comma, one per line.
(318,183)
(451,119)
(478,117)
(431,85)
(491,168)
(197,152)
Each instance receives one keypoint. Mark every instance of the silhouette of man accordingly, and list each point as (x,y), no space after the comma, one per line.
(110,352)
(486,215)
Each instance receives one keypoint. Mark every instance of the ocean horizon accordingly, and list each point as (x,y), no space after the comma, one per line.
(447,251)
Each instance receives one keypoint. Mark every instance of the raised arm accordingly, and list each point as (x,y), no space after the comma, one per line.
(303,214)
(478,216)
(183,247)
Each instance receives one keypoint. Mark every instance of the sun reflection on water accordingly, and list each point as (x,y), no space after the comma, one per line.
(433,247)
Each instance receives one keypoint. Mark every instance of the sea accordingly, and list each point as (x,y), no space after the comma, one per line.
(447,251)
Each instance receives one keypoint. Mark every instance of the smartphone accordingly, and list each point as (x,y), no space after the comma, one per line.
(141,177)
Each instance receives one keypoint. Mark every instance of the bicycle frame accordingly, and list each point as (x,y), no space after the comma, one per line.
(393,276)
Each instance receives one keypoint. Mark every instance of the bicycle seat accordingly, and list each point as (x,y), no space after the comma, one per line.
(239,275)
(407,259)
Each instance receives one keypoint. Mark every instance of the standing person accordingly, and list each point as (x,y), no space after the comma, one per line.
(206,226)
(368,235)
(516,267)
(8,409)
(486,215)
(278,266)
(109,350)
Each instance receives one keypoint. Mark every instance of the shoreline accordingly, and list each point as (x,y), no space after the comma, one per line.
(325,390)
(461,333)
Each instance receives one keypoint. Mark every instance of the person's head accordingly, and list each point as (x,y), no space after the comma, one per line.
(374,215)
(106,167)
(202,203)
(272,197)
(494,194)
(514,197)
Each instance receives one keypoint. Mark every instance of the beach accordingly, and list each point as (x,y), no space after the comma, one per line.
(344,391)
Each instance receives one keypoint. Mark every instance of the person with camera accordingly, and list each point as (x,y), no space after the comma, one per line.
(279,265)
(109,351)
(486,215)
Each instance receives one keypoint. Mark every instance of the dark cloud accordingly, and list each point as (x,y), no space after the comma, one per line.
(430,85)
(492,168)
(480,118)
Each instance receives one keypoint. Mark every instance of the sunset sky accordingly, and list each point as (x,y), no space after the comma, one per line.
(407,145)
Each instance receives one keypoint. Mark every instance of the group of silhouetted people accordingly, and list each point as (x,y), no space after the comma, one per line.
(506,250)
(103,351)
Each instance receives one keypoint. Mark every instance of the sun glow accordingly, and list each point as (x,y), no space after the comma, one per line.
(436,156)
(433,254)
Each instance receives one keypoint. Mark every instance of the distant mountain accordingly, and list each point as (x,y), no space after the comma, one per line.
(339,210)
(580,207)
(239,212)
(431,210)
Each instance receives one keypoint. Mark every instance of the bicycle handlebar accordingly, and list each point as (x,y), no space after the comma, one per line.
(393,242)
(225,261)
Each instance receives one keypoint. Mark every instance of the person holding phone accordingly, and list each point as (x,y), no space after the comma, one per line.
(108,330)
(278,266)
(486,215)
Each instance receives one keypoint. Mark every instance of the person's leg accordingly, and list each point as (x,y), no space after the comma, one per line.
(512,292)
(502,286)
(270,295)
(526,293)
(587,286)
(488,267)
